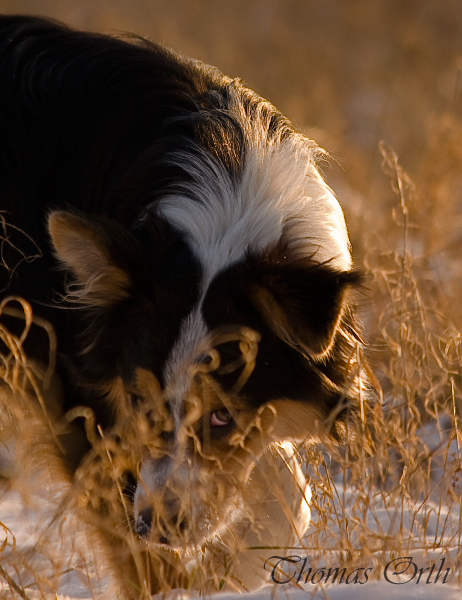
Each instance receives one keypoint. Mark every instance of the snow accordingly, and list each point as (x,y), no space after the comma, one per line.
(374,590)
(44,547)
(54,552)
(57,553)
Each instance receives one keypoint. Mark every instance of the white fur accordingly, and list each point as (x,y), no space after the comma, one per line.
(279,193)
(275,517)
(184,354)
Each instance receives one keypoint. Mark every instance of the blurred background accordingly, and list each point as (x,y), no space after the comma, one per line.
(349,74)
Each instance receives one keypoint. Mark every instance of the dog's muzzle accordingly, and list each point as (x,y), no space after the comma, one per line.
(157,506)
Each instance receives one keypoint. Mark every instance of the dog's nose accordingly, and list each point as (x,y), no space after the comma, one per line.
(168,522)
(144,523)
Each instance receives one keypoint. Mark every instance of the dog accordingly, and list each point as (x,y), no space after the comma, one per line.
(175,230)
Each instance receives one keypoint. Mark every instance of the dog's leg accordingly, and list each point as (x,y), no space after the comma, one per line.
(277,516)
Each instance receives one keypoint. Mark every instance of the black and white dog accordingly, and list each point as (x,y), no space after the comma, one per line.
(192,260)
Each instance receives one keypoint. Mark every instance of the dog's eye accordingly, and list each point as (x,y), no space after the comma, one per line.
(220,417)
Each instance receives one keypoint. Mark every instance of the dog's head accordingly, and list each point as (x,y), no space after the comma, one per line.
(218,323)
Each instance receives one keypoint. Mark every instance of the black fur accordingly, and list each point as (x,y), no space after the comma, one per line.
(87,124)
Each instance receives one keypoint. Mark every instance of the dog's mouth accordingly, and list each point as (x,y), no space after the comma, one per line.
(184,511)
(188,533)
(157,530)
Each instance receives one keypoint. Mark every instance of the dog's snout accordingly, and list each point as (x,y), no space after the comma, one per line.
(162,508)
(162,519)
(171,505)
(144,523)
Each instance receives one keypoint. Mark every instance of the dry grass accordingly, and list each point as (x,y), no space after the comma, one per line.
(396,490)
(34,494)
(388,70)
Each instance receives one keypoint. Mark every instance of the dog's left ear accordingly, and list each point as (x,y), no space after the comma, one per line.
(304,306)
(89,250)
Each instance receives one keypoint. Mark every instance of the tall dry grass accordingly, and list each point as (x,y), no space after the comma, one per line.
(395,490)
(388,70)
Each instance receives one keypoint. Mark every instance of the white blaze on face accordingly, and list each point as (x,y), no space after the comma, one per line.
(184,354)
(280,194)
(174,468)
(158,475)
(153,478)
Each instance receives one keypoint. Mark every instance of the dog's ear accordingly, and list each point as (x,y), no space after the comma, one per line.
(304,306)
(87,248)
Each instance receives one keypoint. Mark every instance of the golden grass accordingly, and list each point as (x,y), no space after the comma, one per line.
(357,72)
(395,490)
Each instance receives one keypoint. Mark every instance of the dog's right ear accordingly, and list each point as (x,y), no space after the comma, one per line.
(85,248)
(304,305)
